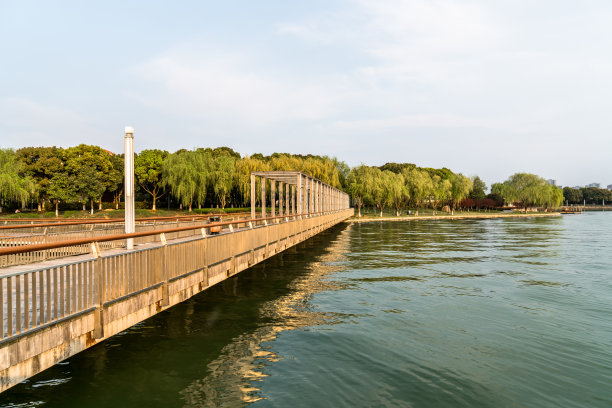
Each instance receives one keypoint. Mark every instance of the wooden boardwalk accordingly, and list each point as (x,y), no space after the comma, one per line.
(55,308)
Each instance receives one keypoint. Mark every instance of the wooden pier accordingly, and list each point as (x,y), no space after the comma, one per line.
(55,308)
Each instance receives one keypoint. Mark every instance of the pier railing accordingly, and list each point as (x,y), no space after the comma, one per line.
(45,233)
(32,299)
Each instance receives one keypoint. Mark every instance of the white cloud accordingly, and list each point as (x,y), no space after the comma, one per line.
(231,89)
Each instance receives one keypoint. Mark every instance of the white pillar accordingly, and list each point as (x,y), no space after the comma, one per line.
(130,222)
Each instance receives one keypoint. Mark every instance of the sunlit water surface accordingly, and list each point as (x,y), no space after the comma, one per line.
(482,313)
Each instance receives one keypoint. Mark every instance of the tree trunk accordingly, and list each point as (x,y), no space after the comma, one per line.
(189,207)
(154,200)
(359,211)
(56,208)
(39,207)
(91,212)
(100,204)
(84,208)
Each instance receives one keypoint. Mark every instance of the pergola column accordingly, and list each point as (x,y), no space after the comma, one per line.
(311,197)
(287,210)
(281,188)
(263,197)
(252,196)
(321,196)
(298,194)
(273,197)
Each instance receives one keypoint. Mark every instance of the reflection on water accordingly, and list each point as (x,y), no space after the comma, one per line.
(235,374)
(472,313)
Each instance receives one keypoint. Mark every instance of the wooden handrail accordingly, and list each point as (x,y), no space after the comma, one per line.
(116,237)
(113,220)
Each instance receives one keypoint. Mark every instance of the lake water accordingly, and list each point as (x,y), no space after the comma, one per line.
(470,313)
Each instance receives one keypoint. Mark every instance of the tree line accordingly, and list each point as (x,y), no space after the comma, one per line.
(201,177)
(404,185)
(586,195)
(205,177)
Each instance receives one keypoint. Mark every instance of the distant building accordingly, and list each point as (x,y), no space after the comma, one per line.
(596,185)
(552,182)
(609,186)
(577,187)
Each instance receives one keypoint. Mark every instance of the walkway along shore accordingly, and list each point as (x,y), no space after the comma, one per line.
(451,217)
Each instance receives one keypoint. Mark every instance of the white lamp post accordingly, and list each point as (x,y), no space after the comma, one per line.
(129,185)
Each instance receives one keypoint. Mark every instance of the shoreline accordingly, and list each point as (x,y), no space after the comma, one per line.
(450,217)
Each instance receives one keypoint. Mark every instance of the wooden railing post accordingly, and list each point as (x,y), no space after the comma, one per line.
(165,265)
(99,292)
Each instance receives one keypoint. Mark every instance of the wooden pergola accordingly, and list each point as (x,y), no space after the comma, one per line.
(298,194)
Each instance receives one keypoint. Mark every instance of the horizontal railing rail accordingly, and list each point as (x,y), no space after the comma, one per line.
(54,223)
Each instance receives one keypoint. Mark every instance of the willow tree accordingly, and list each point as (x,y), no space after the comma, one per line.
(527,190)
(419,185)
(223,176)
(358,185)
(553,197)
(381,188)
(13,185)
(398,192)
(460,188)
(441,190)
(186,172)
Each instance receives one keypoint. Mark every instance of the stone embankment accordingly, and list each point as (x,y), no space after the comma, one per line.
(452,217)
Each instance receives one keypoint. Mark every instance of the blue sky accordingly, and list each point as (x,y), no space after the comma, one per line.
(482,87)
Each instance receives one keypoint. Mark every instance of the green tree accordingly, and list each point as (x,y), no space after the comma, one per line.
(148,170)
(62,188)
(117,178)
(41,164)
(479,189)
(572,195)
(92,169)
